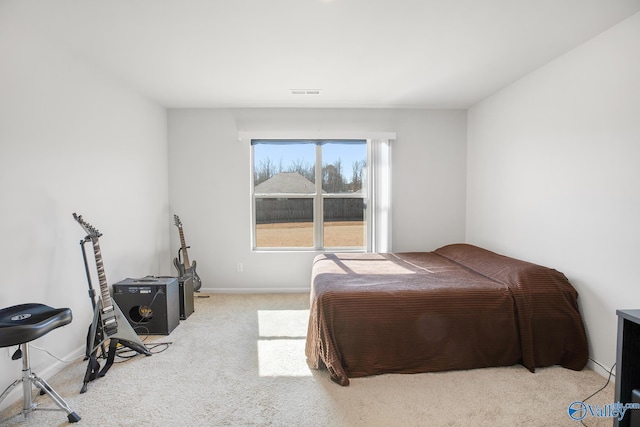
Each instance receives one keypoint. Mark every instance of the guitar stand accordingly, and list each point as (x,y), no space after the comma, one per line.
(92,292)
(96,333)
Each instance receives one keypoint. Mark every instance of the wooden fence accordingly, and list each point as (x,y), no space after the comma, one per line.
(270,211)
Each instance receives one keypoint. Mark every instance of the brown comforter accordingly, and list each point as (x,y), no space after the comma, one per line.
(459,307)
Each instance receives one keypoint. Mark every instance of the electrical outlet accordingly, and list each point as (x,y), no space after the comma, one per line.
(239,267)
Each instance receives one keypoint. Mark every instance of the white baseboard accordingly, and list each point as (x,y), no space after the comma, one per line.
(601,370)
(254,290)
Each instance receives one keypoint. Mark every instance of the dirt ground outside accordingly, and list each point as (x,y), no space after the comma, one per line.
(300,234)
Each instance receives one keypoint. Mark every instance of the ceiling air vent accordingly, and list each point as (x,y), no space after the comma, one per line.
(305,91)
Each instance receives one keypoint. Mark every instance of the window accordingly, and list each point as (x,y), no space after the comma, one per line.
(317,194)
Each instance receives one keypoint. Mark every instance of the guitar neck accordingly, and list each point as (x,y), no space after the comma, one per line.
(102,278)
(187,264)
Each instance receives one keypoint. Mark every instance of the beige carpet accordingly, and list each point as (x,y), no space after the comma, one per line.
(239,361)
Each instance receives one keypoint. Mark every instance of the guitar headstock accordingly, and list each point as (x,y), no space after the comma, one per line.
(176,219)
(88,228)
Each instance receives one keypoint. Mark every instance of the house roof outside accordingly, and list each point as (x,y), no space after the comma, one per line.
(286,182)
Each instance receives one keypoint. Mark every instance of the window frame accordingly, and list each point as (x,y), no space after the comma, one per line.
(377,197)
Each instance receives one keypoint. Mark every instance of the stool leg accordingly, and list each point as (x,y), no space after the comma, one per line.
(27,402)
(6,391)
(29,378)
(44,386)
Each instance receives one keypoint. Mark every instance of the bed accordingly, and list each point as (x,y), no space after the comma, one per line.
(458,307)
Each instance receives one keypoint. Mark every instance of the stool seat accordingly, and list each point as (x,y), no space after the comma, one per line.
(26,322)
(19,325)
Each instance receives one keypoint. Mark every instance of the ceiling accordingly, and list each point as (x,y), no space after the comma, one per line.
(357,53)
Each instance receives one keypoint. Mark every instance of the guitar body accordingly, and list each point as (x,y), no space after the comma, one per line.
(124,333)
(182,272)
(185,270)
(188,272)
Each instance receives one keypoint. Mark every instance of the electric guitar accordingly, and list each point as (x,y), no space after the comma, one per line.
(108,321)
(185,269)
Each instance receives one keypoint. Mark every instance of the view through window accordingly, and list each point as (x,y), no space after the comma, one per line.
(310,193)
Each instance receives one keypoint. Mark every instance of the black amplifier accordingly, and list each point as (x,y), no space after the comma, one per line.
(150,304)
(186,297)
(185,288)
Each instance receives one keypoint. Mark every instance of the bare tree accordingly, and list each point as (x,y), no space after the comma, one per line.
(332,180)
(303,168)
(266,170)
(357,178)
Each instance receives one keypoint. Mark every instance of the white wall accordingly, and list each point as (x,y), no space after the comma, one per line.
(210,191)
(73,140)
(553,174)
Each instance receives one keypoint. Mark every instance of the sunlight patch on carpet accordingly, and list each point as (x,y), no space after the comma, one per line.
(282,358)
(283,323)
(281,342)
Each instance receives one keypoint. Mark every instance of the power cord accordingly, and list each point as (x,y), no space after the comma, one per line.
(127,353)
(603,387)
(53,355)
(604,368)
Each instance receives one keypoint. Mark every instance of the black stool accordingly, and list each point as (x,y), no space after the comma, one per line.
(21,324)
